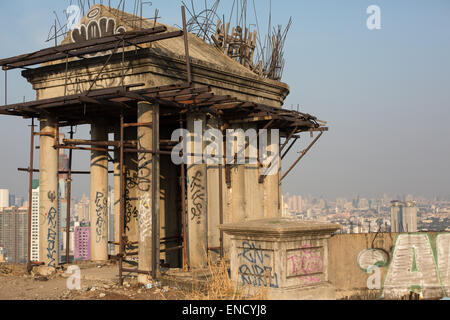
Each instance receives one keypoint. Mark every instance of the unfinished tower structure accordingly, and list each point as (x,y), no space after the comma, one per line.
(142,82)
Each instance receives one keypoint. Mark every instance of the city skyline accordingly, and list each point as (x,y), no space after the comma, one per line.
(376,113)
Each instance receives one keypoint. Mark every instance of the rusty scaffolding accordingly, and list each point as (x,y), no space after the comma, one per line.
(175,101)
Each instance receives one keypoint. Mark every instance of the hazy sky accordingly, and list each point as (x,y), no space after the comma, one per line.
(384,93)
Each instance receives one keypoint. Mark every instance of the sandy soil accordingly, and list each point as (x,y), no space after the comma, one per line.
(97,283)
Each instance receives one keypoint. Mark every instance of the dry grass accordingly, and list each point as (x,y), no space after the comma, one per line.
(219,286)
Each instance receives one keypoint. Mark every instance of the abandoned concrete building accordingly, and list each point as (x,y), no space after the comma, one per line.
(142,80)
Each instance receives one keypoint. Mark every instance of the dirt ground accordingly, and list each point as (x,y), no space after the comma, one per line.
(98,282)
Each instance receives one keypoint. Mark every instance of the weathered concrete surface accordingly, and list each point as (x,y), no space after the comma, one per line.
(145,185)
(197,202)
(163,63)
(403,262)
(287,257)
(99,195)
(48,194)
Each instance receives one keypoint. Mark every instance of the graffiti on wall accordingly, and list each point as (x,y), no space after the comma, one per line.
(96,27)
(197,195)
(101,203)
(52,222)
(79,81)
(415,265)
(144,169)
(145,217)
(131,212)
(256,266)
(306,264)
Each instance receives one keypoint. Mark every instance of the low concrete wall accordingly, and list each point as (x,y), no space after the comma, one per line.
(389,265)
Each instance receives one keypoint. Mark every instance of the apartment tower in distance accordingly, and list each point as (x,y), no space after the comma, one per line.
(35,221)
(403,216)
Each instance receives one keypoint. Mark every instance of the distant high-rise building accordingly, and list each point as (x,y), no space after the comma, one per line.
(14,233)
(403,216)
(82,209)
(294,204)
(4,198)
(35,221)
(410,217)
(82,243)
(19,202)
(300,204)
(12,199)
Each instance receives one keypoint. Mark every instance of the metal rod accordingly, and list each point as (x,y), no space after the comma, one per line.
(136,270)
(30,195)
(65,77)
(56,36)
(301,156)
(122,202)
(186,46)
(287,139)
(142,124)
(172,249)
(60,146)
(69,195)
(155,197)
(6,87)
(147,151)
(221,207)
(97,143)
(183,207)
(59,172)
(288,149)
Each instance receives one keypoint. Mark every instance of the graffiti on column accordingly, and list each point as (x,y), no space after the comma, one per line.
(52,222)
(197,192)
(256,266)
(100,224)
(144,171)
(306,264)
(131,211)
(145,217)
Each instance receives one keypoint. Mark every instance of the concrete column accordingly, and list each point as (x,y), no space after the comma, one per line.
(48,194)
(98,208)
(197,204)
(146,161)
